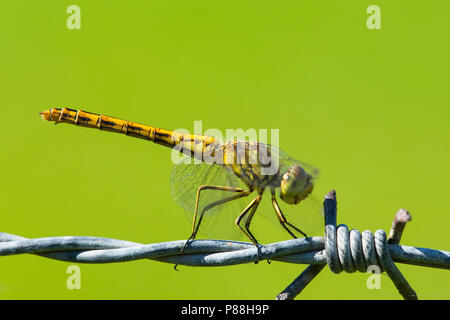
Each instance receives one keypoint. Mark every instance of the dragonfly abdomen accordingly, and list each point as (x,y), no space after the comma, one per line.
(184,142)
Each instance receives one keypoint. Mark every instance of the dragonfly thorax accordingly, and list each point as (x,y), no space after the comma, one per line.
(295,185)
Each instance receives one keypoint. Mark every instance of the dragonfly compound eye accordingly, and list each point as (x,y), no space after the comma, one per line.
(296,185)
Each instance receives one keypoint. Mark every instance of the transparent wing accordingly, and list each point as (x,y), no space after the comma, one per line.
(285,161)
(218,222)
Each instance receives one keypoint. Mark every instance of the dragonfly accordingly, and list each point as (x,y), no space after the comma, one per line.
(235,169)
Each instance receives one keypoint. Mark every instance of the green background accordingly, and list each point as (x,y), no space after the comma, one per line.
(369,108)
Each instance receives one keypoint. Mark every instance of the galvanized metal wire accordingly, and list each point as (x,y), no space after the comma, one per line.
(341,249)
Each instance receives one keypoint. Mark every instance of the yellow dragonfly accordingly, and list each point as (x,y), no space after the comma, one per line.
(232,170)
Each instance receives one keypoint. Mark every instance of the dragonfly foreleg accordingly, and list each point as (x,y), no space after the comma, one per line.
(195,225)
(283,220)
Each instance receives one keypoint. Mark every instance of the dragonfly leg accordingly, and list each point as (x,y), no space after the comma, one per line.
(252,206)
(249,220)
(195,225)
(283,220)
(250,216)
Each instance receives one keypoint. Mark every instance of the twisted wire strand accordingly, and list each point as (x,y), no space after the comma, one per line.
(349,251)
(198,252)
(83,249)
(341,249)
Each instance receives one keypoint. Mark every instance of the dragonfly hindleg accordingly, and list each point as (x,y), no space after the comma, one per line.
(195,225)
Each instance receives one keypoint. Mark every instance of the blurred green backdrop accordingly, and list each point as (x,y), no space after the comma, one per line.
(370,108)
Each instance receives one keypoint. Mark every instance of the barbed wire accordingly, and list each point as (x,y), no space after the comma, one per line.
(341,249)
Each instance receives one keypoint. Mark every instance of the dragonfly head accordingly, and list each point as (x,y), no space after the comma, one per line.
(295,185)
